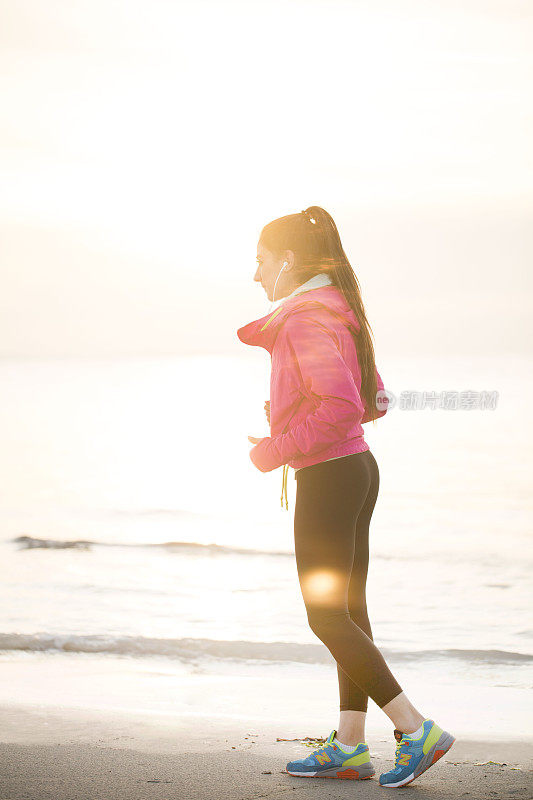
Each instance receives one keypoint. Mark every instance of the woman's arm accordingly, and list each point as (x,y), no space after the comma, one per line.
(327,379)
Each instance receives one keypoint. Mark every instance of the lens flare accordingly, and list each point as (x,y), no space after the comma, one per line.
(321,586)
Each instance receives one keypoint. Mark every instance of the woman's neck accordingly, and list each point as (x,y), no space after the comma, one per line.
(315,282)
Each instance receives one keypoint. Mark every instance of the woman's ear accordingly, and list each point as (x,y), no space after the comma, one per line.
(288,259)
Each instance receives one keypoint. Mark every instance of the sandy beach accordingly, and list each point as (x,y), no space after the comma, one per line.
(220,736)
(60,754)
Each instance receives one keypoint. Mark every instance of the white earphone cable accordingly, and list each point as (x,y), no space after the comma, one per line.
(285,263)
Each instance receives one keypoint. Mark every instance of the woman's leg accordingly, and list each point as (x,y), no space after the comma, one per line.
(329,498)
(353,700)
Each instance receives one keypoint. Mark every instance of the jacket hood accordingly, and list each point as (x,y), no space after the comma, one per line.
(262,332)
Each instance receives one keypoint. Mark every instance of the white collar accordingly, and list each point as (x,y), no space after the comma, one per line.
(322,279)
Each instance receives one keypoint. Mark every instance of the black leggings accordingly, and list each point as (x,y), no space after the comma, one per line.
(334,504)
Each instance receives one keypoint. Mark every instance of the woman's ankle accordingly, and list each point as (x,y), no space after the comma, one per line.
(350,736)
(402,713)
(408,724)
(351,730)
(351,741)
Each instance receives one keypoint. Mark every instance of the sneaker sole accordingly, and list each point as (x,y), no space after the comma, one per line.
(348,774)
(434,753)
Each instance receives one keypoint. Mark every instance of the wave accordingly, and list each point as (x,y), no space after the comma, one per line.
(189,548)
(194,649)
(31,542)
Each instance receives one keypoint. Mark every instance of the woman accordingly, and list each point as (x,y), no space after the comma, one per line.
(324,385)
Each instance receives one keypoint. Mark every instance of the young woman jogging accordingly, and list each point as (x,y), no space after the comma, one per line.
(324,385)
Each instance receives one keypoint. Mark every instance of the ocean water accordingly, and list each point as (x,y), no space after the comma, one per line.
(133,523)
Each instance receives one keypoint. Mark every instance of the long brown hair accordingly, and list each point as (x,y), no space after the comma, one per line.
(313,237)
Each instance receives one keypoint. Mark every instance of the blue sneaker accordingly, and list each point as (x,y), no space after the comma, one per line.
(415,756)
(330,761)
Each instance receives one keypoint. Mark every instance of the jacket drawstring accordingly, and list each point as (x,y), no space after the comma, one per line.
(284,485)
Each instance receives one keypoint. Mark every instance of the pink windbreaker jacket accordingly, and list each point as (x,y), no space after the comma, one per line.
(316,411)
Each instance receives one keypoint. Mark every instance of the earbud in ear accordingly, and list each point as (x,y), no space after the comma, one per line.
(285,264)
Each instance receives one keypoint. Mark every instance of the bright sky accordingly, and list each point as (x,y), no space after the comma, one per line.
(144,144)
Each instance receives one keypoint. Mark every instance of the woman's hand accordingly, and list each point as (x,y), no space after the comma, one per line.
(267,410)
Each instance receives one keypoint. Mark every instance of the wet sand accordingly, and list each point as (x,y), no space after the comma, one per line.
(74,754)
